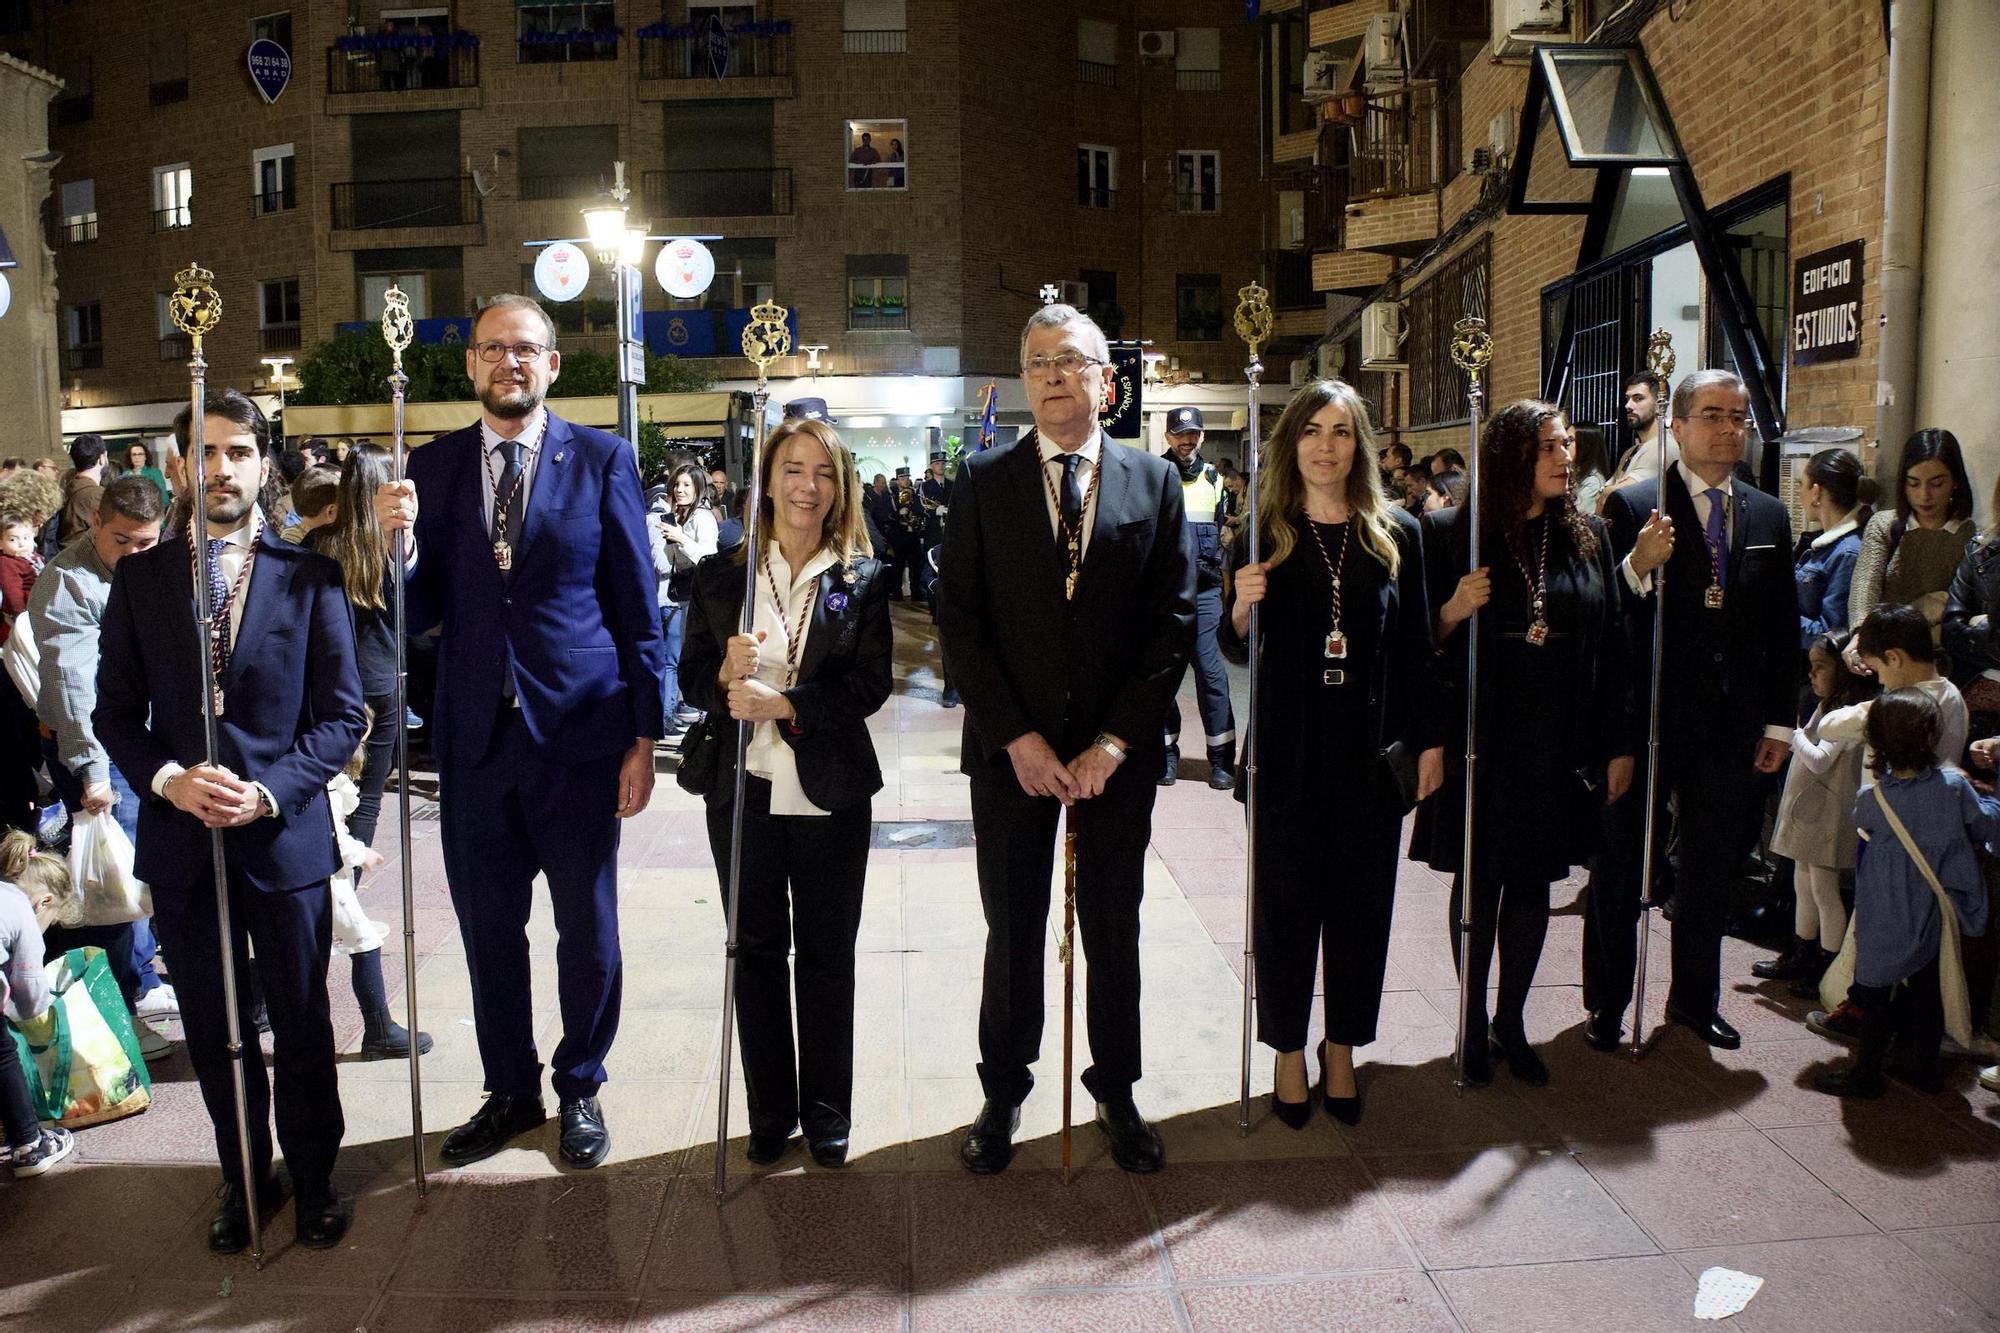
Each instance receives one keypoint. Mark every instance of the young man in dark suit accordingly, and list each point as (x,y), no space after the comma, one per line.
(1066,606)
(1727,703)
(533,556)
(289,700)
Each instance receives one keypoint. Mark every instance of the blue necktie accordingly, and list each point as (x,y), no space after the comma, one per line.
(1718,536)
(1072,493)
(218,606)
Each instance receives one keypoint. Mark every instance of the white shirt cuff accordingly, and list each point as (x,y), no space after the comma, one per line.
(168,772)
(1641,585)
(270,801)
(1782,735)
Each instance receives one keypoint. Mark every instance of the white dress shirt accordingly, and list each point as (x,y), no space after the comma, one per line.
(493,460)
(770,758)
(236,547)
(1052,482)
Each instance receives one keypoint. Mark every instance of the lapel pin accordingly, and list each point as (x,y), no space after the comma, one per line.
(836,602)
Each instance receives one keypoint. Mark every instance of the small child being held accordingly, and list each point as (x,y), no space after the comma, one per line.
(1899,927)
(19,564)
(35,895)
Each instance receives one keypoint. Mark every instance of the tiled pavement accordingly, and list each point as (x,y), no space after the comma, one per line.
(1590,1204)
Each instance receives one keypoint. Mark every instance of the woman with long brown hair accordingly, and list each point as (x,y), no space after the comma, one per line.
(1555,711)
(1346,668)
(816,668)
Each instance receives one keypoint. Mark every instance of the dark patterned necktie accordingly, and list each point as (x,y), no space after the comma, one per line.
(507,492)
(218,604)
(1072,493)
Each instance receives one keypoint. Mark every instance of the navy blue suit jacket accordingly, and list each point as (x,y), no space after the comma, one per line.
(577,620)
(292,716)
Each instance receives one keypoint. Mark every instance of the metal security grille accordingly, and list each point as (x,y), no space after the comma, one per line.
(1601,308)
(1437,386)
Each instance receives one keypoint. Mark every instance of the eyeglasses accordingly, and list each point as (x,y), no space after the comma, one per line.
(1069,363)
(1714,417)
(492,352)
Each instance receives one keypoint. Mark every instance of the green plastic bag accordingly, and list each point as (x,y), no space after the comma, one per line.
(81,1056)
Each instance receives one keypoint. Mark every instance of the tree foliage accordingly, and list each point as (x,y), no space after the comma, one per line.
(353,367)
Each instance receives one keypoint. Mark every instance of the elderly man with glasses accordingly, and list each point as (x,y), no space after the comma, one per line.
(1730,672)
(533,556)
(1066,606)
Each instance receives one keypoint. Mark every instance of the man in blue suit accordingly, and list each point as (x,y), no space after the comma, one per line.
(290,716)
(532,555)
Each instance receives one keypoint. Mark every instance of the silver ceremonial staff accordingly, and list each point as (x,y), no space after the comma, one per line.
(1660,363)
(1471,349)
(765,339)
(196,308)
(397,330)
(1253,326)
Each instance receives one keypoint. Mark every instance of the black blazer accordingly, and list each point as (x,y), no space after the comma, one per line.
(292,718)
(1599,695)
(843,679)
(1739,664)
(1022,657)
(1402,681)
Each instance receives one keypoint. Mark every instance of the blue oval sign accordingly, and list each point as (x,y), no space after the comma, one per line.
(270,68)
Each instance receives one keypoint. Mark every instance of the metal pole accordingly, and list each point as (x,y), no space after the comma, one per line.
(1471,349)
(1067,949)
(196,309)
(1660,361)
(1253,325)
(398,329)
(765,339)
(628,341)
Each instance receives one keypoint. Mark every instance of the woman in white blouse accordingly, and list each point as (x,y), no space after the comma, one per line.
(816,668)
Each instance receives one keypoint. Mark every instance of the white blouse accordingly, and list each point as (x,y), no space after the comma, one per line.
(770,758)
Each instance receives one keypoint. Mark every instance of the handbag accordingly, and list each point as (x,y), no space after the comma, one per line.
(80,1055)
(701,758)
(1400,761)
(1951,966)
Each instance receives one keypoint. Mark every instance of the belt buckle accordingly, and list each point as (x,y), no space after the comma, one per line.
(1333,676)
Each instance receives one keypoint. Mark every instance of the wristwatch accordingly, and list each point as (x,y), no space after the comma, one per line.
(1109,746)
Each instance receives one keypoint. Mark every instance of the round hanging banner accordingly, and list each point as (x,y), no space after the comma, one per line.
(685,268)
(561,272)
(270,68)
(6,295)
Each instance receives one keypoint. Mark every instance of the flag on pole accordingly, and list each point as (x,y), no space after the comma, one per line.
(989,416)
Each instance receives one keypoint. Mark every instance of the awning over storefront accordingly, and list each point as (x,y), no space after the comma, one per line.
(680,415)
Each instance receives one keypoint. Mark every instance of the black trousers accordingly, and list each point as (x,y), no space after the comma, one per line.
(1721,801)
(802,881)
(293,935)
(1909,1015)
(17,1109)
(378,755)
(1324,893)
(1516,911)
(1016,836)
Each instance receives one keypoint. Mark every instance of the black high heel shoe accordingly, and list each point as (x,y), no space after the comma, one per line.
(1521,1060)
(1347,1110)
(1295,1114)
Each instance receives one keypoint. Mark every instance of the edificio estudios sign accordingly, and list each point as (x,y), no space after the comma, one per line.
(1826,306)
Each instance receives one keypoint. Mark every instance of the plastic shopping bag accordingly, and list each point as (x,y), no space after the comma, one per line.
(100,869)
(81,1056)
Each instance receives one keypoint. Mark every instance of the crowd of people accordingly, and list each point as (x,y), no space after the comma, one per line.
(579,620)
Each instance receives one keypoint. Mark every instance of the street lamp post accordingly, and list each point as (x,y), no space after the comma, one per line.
(278,366)
(620,247)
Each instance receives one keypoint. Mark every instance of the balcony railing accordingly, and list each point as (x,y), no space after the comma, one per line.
(1198,201)
(280,338)
(1197,80)
(1096,74)
(883,42)
(1436,25)
(751,55)
(174,218)
(274,201)
(1397,147)
(173,347)
(375,64)
(573,185)
(721,192)
(440,201)
(81,232)
(1290,272)
(1096,196)
(884,318)
(89,357)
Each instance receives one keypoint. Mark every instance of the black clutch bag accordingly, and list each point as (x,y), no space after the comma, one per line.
(701,758)
(1400,763)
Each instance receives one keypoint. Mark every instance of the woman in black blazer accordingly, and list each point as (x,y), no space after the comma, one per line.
(1555,710)
(1346,704)
(814,672)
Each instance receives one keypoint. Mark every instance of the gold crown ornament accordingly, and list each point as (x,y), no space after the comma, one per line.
(196,307)
(1471,345)
(1253,317)
(766,337)
(1660,355)
(398,329)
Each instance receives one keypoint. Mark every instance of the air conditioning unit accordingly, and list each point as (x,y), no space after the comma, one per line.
(1519,24)
(1382,60)
(1324,76)
(1074,294)
(1157,44)
(1382,335)
(1327,362)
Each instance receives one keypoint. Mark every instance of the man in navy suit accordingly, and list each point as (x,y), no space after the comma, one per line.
(290,717)
(533,556)
(1727,705)
(1066,603)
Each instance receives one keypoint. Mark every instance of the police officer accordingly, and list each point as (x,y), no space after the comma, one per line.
(1204,497)
(934,496)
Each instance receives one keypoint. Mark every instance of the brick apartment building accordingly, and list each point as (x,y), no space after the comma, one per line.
(1110,146)
(1395,126)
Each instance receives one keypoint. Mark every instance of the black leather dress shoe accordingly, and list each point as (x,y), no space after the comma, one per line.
(830,1151)
(323,1218)
(766,1149)
(989,1144)
(1135,1145)
(491,1126)
(585,1140)
(229,1229)
(1712,1029)
(1603,1031)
